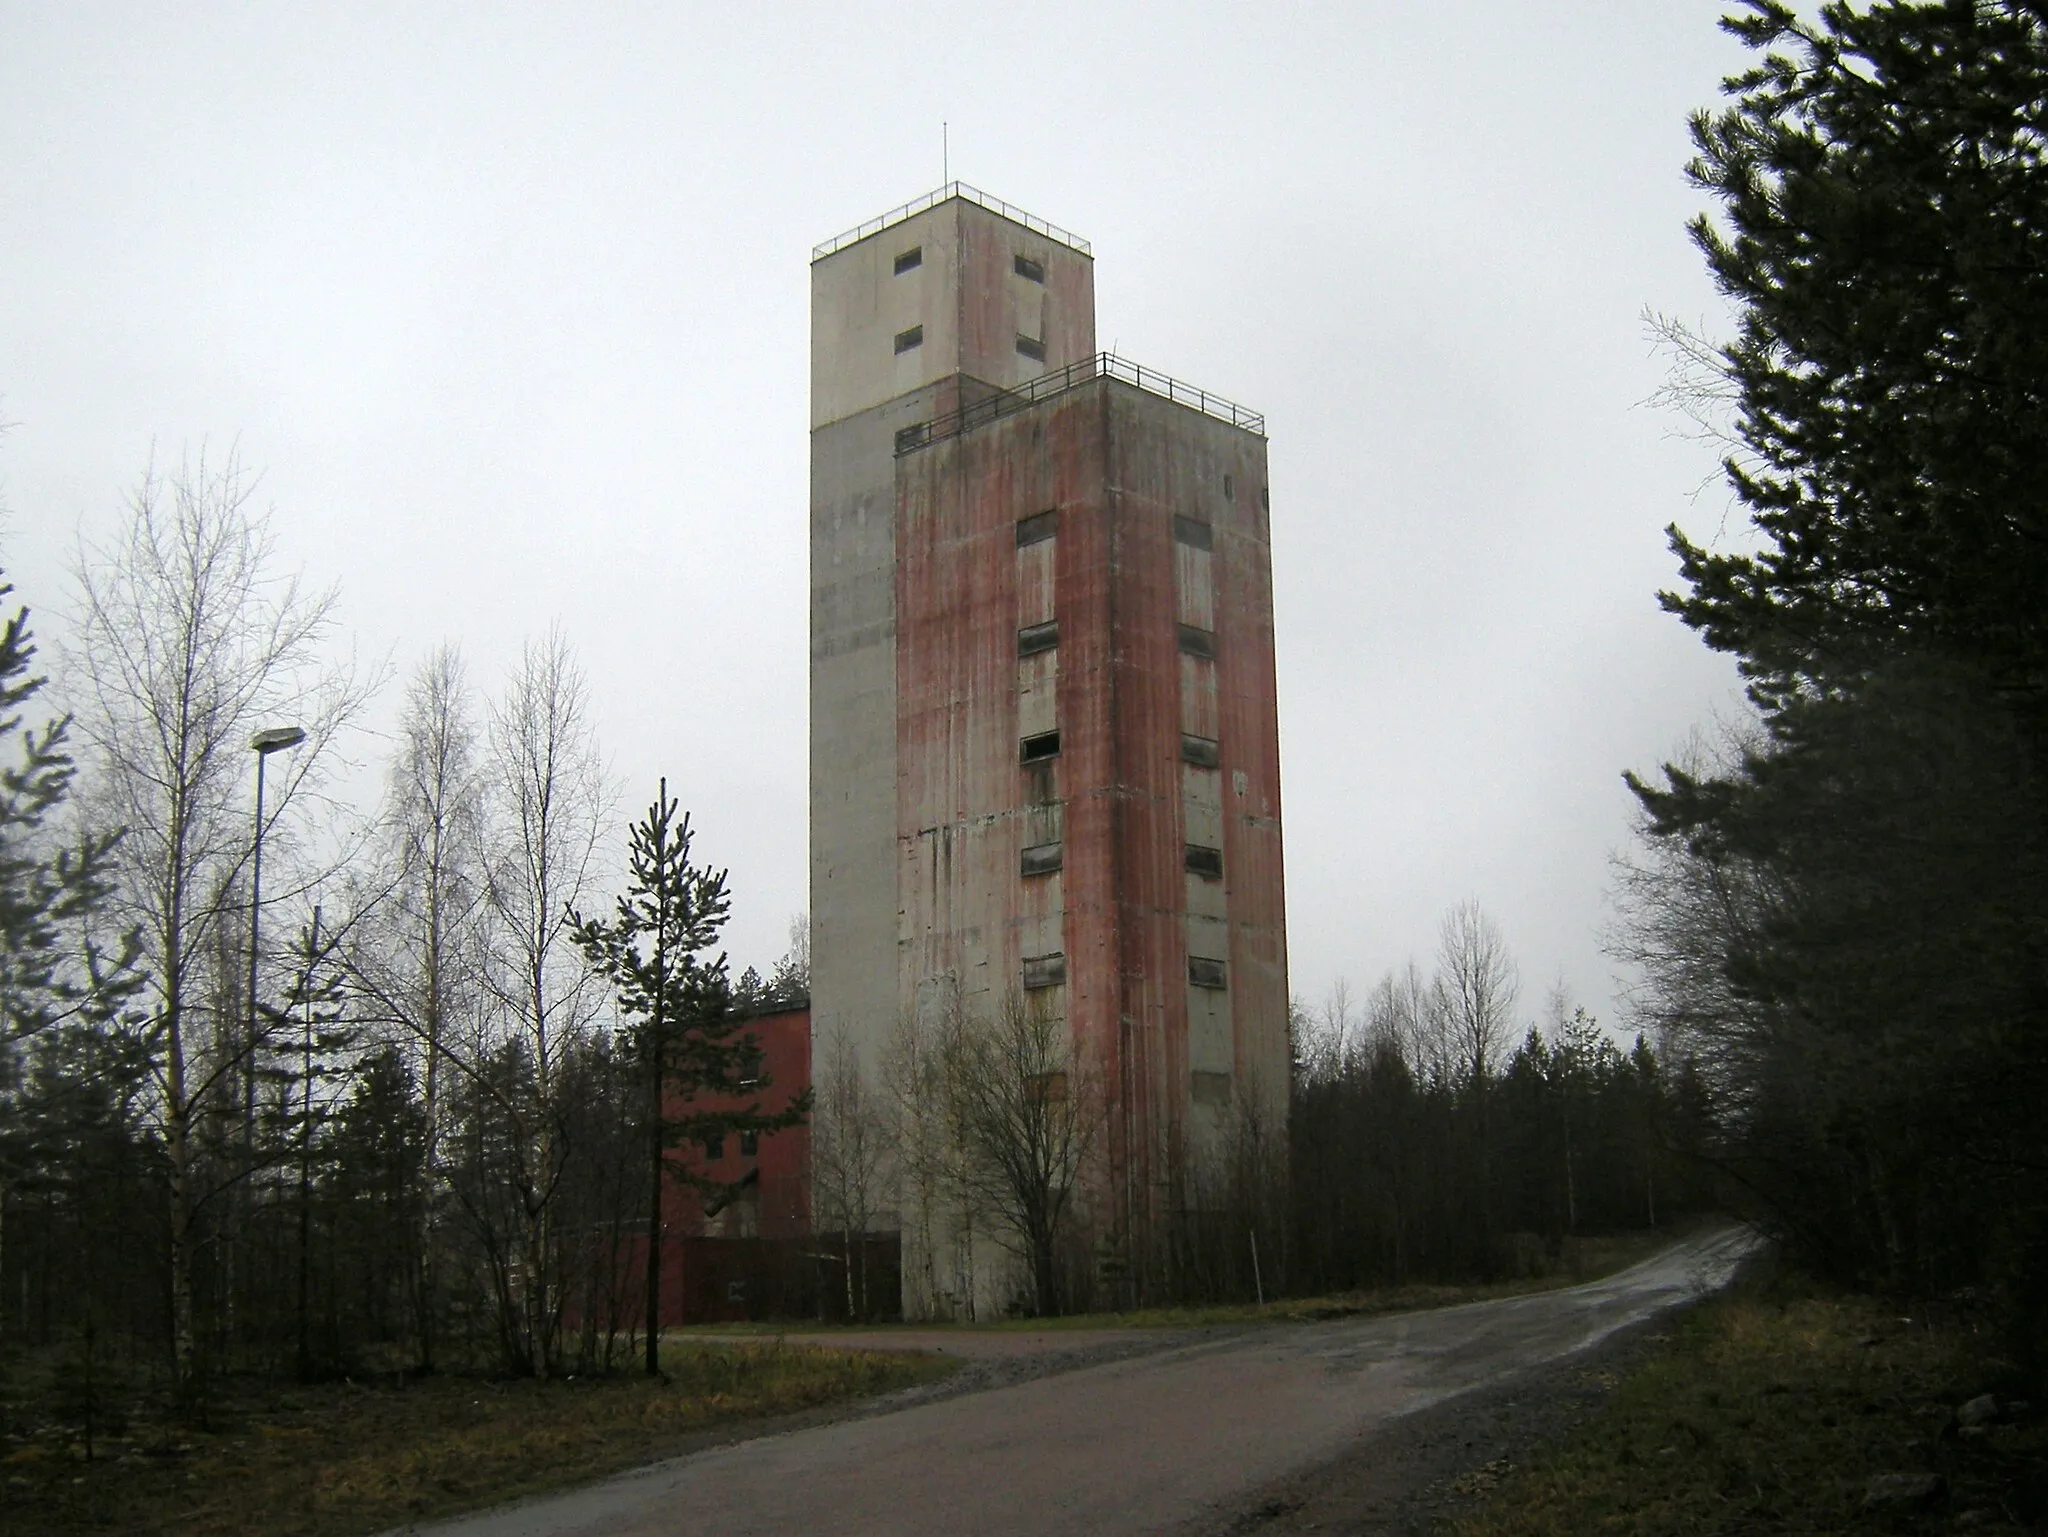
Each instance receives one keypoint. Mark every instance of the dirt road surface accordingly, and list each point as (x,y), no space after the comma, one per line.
(1179,1438)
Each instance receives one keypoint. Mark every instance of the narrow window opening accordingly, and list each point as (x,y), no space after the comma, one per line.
(750,1143)
(1027,268)
(1204,972)
(1040,525)
(714,1149)
(1193,532)
(1201,751)
(910,259)
(1229,488)
(1047,1088)
(1045,970)
(1195,641)
(1266,498)
(1036,749)
(1204,861)
(1034,350)
(1042,858)
(1034,638)
(906,341)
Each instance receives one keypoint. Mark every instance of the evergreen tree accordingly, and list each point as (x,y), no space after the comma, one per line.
(1884,238)
(1875,1014)
(49,969)
(687,1029)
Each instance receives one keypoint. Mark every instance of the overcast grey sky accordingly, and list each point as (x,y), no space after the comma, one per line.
(509,306)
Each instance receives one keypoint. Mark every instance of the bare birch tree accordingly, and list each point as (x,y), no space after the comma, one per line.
(421,950)
(1474,996)
(548,781)
(1027,1114)
(187,640)
(1476,983)
(929,1193)
(853,1147)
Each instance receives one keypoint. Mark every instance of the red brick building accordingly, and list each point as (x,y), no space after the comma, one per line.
(743,1255)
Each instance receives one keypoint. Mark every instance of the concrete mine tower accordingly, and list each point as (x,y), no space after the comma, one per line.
(1044,739)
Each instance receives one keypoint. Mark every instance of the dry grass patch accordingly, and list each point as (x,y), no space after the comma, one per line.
(1776,1409)
(358,1458)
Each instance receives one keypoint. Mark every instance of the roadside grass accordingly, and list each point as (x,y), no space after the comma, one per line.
(361,1457)
(1780,1407)
(1582,1259)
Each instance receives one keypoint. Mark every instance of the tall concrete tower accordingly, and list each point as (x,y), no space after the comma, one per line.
(1044,739)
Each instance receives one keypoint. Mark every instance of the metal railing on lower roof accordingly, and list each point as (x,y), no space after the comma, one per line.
(1103,365)
(952,189)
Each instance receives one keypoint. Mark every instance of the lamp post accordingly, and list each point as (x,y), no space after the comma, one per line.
(263,744)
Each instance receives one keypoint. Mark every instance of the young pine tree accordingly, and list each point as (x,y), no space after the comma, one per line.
(686,1030)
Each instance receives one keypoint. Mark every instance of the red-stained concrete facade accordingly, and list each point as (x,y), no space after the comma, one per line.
(1116,466)
(1013,537)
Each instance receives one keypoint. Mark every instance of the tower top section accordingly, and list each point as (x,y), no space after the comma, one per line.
(958,288)
(952,189)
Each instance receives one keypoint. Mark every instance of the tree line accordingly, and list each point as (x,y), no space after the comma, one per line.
(1431,1141)
(418,1107)
(1838,904)
(397,1114)
(1432,1134)
(424,1132)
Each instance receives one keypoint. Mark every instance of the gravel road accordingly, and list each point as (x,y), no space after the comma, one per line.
(1203,1435)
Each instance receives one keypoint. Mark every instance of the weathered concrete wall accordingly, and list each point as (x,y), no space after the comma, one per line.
(966,298)
(853,710)
(969,305)
(1116,468)
(1149,912)
(1215,1045)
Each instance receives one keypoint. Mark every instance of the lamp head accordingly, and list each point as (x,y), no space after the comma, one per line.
(276,739)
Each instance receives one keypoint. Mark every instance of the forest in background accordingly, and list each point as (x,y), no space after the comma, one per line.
(428,1122)
(414,1114)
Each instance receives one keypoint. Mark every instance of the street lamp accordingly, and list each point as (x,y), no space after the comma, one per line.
(263,744)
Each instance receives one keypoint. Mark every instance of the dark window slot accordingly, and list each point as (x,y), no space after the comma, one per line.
(1027,268)
(1045,970)
(1204,861)
(1037,749)
(1034,638)
(1040,525)
(1193,532)
(1042,858)
(912,258)
(714,1149)
(908,340)
(1204,972)
(1034,350)
(1195,641)
(1229,488)
(750,1143)
(1047,1088)
(1266,498)
(1200,751)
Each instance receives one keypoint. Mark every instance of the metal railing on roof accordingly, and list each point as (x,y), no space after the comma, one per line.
(1103,365)
(952,189)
